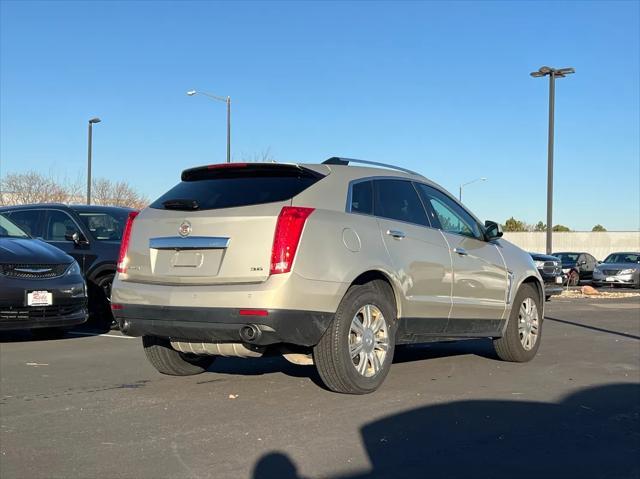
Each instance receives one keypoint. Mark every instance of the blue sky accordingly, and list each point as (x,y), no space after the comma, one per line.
(442,88)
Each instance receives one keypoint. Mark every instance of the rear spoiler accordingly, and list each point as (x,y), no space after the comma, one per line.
(235,170)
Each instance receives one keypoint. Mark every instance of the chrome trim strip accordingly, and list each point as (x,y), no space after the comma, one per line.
(189,242)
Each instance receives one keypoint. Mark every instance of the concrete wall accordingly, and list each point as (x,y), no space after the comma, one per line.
(598,244)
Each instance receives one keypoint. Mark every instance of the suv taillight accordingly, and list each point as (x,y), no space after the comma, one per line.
(285,241)
(124,244)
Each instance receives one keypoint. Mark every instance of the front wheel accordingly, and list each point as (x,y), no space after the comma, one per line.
(169,361)
(356,352)
(521,339)
(574,278)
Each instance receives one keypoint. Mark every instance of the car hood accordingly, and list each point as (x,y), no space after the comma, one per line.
(602,266)
(31,251)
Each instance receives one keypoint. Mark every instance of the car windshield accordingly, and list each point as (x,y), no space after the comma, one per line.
(10,230)
(103,225)
(567,257)
(623,258)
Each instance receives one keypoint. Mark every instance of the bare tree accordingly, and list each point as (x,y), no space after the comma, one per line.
(120,193)
(33,187)
(264,156)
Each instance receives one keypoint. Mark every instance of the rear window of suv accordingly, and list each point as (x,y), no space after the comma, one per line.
(209,188)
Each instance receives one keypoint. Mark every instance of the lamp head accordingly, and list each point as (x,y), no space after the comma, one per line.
(95,120)
(191,92)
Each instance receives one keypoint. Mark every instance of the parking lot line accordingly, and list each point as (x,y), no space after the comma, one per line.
(82,333)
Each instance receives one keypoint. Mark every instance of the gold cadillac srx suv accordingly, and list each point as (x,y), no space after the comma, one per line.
(328,264)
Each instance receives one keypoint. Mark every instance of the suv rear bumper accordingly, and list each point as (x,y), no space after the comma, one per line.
(303,328)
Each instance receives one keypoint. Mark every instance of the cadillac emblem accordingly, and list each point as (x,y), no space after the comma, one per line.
(185,229)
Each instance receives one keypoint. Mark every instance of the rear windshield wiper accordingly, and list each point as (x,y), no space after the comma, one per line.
(180,204)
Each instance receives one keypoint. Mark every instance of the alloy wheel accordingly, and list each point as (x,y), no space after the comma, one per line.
(368,340)
(528,324)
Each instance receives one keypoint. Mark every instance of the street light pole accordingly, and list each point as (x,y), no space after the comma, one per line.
(468,183)
(552,106)
(89,152)
(228,129)
(553,74)
(226,100)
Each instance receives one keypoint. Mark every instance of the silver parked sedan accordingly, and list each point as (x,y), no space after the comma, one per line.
(618,269)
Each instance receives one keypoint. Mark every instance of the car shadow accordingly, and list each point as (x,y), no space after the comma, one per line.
(264,365)
(482,347)
(51,334)
(593,433)
(274,363)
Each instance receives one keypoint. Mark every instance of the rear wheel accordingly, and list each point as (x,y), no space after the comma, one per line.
(355,354)
(169,361)
(521,339)
(103,301)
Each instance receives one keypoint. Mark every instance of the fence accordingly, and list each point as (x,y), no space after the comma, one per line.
(599,244)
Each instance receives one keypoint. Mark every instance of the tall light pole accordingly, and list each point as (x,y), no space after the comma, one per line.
(226,100)
(553,73)
(468,183)
(90,146)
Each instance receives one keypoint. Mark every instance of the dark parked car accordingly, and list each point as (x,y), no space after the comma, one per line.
(618,269)
(577,266)
(90,234)
(550,268)
(40,286)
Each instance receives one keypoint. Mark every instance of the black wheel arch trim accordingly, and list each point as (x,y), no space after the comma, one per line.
(539,285)
(100,270)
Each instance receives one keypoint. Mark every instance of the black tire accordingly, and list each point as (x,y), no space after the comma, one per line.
(547,298)
(169,361)
(509,347)
(331,355)
(102,306)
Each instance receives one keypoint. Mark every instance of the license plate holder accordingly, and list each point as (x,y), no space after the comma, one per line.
(559,280)
(39,298)
(609,279)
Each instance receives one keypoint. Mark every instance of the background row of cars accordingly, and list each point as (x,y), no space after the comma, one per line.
(570,268)
(77,252)
(85,236)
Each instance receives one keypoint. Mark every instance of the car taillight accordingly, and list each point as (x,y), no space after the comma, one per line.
(285,241)
(124,244)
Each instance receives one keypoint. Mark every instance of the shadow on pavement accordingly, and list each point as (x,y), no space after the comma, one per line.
(594,433)
(50,334)
(593,328)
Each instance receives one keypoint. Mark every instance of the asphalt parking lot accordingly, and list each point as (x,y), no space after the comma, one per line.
(91,406)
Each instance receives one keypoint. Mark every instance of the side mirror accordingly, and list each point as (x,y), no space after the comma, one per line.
(493,230)
(72,236)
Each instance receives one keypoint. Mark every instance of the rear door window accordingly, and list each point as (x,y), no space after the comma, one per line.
(398,200)
(230,187)
(104,226)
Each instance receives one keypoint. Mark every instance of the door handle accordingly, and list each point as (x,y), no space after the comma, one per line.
(396,234)
(460,251)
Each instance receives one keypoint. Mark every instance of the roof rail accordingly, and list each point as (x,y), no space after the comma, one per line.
(336,160)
